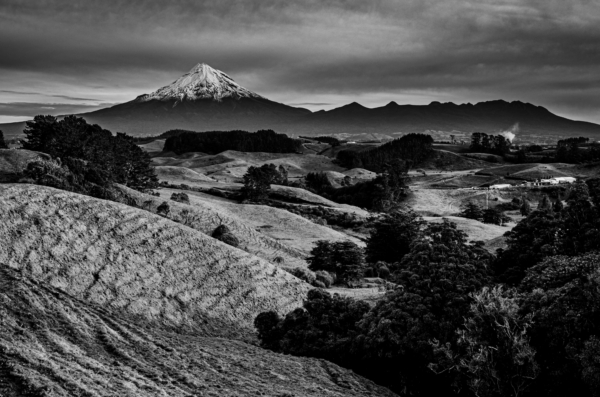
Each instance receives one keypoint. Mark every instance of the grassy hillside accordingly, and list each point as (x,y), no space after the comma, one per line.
(53,344)
(138,263)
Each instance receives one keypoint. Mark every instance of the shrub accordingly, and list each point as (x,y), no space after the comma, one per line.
(164,209)
(303,274)
(229,239)
(319,284)
(224,234)
(180,198)
(324,277)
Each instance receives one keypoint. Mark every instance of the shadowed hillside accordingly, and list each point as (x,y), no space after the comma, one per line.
(52,344)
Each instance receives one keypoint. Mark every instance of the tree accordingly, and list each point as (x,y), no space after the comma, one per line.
(493,353)
(563,292)
(413,148)
(572,231)
(558,205)
(390,186)
(525,207)
(73,137)
(392,235)
(343,258)
(3,144)
(257,182)
(436,278)
(545,204)
(325,327)
(470,210)
(495,216)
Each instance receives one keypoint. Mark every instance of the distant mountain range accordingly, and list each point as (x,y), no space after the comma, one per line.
(206,99)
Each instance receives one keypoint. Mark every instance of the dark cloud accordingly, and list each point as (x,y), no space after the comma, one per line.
(541,51)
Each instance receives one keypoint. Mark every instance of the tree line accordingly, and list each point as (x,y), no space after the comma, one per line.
(214,142)
(461,320)
(383,193)
(413,148)
(87,158)
(493,144)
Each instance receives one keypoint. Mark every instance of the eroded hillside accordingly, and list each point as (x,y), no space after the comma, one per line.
(138,263)
(52,344)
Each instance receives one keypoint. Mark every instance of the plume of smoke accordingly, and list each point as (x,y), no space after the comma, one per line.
(511,133)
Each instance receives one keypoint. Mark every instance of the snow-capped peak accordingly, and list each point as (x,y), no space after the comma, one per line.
(202,82)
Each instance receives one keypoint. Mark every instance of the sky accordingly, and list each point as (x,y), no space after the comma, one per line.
(61,57)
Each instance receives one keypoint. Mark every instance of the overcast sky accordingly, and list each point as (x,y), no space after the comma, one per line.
(60,57)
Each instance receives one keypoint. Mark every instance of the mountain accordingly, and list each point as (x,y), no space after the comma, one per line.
(489,117)
(201,100)
(206,99)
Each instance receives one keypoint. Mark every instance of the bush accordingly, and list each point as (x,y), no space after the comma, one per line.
(164,209)
(224,234)
(229,239)
(303,274)
(319,284)
(180,198)
(325,277)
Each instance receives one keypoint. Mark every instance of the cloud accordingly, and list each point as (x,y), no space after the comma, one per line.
(541,51)
(27,109)
(310,103)
(51,96)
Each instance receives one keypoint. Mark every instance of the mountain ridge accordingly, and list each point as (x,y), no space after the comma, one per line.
(207,99)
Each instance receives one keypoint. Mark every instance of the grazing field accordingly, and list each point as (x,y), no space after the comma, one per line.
(138,263)
(531,170)
(230,166)
(53,344)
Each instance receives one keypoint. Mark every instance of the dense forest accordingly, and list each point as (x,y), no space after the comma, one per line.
(164,135)
(413,148)
(214,142)
(493,144)
(383,193)
(461,321)
(87,158)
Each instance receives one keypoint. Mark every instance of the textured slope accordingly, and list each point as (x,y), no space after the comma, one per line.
(287,229)
(54,345)
(205,217)
(13,162)
(137,262)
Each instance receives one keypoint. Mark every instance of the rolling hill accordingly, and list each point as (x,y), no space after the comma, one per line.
(54,344)
(138,263)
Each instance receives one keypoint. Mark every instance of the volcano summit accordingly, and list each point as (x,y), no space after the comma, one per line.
(202,99)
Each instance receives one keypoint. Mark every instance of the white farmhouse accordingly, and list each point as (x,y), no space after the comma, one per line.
(565,179)
(501,186)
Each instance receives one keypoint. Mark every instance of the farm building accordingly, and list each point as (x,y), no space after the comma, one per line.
(565,179)
(501,186)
